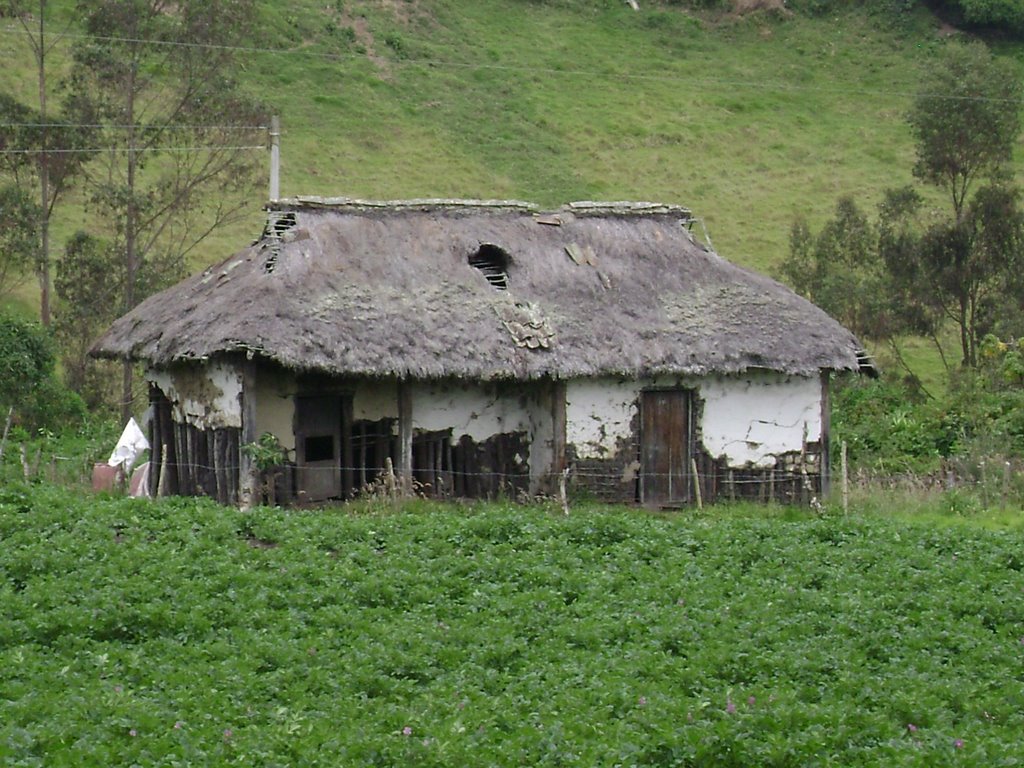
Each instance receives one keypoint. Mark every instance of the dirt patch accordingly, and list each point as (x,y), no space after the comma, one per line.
(747,7)
(405,11)
(363,37)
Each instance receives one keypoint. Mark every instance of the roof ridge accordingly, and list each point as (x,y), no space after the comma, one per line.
(579,207)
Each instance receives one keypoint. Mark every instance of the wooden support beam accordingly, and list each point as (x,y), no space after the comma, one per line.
(248,479)
(824,457)
(558,461)
(156,457)
(347,457)
(404,469)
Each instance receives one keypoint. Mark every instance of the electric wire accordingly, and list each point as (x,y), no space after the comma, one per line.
(97,150)
(523,69)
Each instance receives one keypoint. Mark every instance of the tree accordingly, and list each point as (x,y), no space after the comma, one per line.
(29,389)
(839,270)
(155,75)
(842,269)
(18,235)
(965,121)
(38,144)
(88,283)
(1002,15)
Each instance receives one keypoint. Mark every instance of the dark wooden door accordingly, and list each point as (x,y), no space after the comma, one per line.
(665,444)
(318,447)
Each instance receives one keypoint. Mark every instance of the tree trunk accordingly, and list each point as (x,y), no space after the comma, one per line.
(130,242)
(965,336)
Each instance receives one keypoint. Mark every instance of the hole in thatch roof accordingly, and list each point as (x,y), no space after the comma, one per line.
(280,223)
(493,262)
(277,225)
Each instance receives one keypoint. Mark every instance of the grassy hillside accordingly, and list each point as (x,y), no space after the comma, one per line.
(748,119)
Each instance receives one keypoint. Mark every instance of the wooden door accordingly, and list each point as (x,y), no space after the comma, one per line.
(665,447)
(318,422)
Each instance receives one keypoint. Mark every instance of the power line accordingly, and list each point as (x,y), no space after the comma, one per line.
(166,126)
(523,69)
(125,149)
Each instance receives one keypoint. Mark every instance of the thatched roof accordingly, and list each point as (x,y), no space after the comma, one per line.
(387,289)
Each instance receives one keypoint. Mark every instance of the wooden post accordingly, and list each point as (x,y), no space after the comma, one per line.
(984,485)
(247,479)
(161,486)
(347,460)
(216,454)
(1006,485)
(825,458)
(156,442)
(563,478)
(7,429)
(405,435)
(696,483)
(362,457)
(845,479)
(558,462)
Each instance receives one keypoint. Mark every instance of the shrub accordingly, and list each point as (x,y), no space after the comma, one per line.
(28,384)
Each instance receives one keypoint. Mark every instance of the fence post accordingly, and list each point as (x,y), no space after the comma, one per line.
(696,483)
(1006,485)
(845,480)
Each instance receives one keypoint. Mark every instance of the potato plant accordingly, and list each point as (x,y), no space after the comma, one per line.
(183,633)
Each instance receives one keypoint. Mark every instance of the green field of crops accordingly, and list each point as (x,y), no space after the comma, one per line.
(182,633)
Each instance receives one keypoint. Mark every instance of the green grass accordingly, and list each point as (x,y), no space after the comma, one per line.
(748,120)
(184,633)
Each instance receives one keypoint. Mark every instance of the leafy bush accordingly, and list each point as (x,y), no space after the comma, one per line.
(887,426)
(28,383)
(1004,15)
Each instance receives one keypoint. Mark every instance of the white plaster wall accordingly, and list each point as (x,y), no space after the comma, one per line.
(203,396)
(482,411)
(748,419)
(751,418)
(375,400)
(598,413)
(275,406)
(479,411)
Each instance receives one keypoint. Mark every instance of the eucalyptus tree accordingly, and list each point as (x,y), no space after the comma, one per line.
(965,121)
(38,148)
(179,135)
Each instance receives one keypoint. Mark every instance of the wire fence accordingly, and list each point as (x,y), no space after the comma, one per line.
(993,481)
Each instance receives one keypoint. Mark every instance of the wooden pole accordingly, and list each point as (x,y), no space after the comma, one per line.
(845,479)
(7,429)
(984,485)
(696,483)
(1006,485)
(161,486)
(405,435)
(248,473)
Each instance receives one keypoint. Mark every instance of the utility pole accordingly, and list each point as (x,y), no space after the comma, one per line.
(275,157)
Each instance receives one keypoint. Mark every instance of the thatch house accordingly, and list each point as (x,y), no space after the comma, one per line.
(484,347)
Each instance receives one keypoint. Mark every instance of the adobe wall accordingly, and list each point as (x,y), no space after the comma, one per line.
(747,426)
